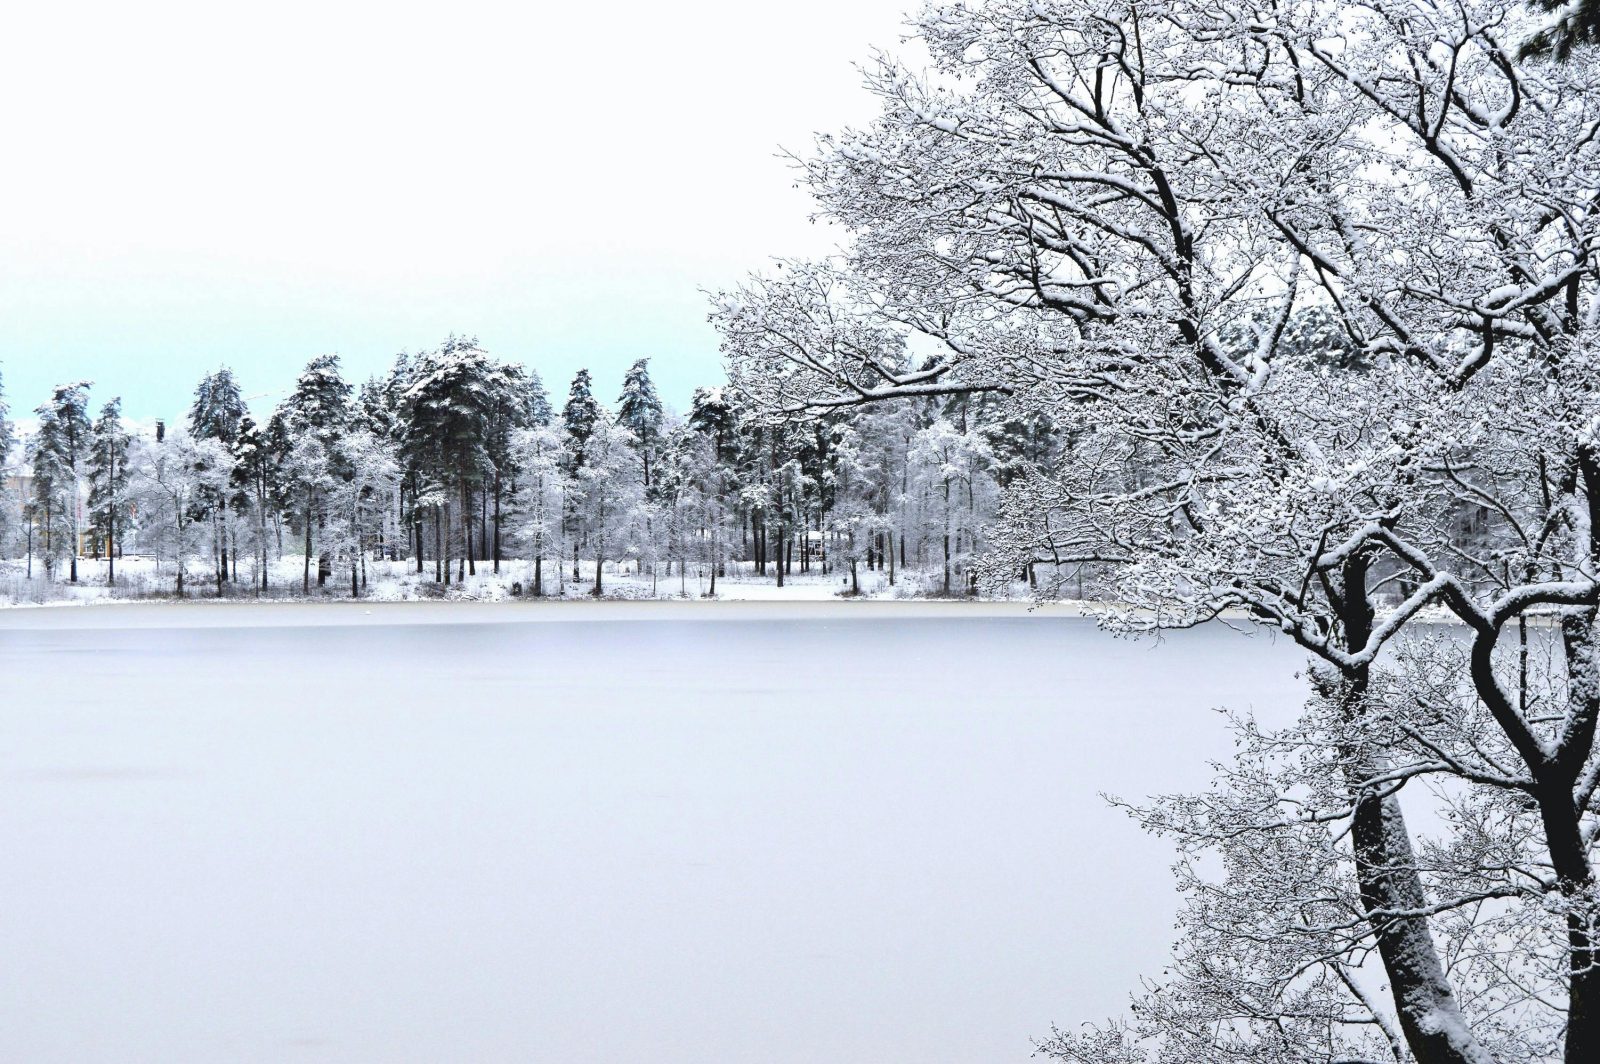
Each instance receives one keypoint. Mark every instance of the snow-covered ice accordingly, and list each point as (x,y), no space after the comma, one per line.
(849,833)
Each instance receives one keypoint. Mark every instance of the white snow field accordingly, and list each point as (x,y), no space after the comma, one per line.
(692,834)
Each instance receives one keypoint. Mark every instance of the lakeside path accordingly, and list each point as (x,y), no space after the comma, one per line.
(232,613)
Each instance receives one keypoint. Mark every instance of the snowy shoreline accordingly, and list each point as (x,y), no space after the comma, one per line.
(234,613)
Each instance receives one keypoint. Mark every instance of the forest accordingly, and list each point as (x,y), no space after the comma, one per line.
(456,461)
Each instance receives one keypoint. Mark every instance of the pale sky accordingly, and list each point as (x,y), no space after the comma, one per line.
(195,184)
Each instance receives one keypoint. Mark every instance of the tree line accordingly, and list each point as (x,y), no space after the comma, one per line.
(455,461)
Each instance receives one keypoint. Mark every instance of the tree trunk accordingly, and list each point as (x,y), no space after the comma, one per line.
(1386,872)
(305,580)
(497,522)
(111,530)
(466,531)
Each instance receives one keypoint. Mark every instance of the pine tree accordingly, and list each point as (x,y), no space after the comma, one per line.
(218,408)
(449,406)
(107,469)
(216,414)
(320,402)
(255,482)
(318,409)
(639,411)
(1574,24)
(61,447)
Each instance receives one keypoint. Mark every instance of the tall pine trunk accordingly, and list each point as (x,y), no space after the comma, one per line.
(305,580)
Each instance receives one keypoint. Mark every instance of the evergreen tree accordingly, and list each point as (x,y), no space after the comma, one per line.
(255,481)
(320,402)
(578,418)
(449,407)
(216,414)
(43,512)
(516,401)
(107,469)
(639,411)
(60,449)
(218,408)
(319,410)
(537,400)
(1573,24)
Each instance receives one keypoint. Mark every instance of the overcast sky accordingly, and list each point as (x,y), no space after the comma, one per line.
(193,184)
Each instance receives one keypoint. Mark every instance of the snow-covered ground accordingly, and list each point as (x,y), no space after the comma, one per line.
(784,834)
(143,578)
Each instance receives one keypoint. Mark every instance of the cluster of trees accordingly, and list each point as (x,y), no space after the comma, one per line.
(1313,293)
(456,459)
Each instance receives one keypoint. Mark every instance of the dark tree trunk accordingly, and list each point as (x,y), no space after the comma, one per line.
(305,580)
(1391,889)
(111,530)
(497,522)
(466,532)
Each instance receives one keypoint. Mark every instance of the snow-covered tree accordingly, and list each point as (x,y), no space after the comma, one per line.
(1128,217)
(257,484)
(171,480)
(542,498)
(317,412)
(370,475)
(608,494)
(953,466)
(60,448)
(217,412)
(579,416)
(639,411)
(108,477)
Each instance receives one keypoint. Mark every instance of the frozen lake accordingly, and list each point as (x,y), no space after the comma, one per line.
(671,835)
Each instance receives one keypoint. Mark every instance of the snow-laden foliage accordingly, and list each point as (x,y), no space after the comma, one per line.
(1310,290)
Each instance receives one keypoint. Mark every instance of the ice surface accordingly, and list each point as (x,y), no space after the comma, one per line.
(838,837)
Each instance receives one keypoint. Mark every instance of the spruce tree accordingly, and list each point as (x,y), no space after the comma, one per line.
(536,400)
(578,417)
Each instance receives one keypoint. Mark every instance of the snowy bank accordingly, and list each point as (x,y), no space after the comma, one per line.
(237,613)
